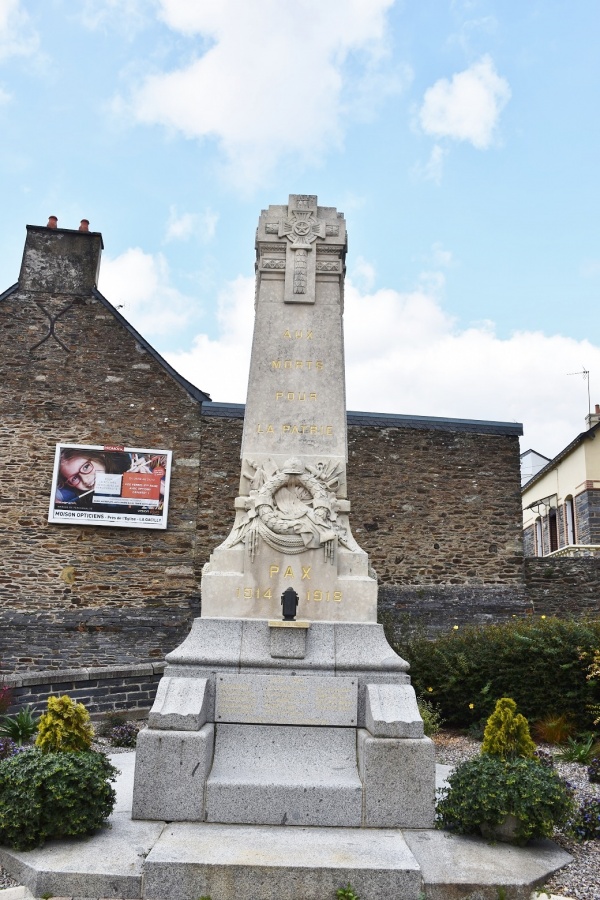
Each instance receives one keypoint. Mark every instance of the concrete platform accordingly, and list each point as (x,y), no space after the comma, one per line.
(454,866)
(140,860)
(109,864)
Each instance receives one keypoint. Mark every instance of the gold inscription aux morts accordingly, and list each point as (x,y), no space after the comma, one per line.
(292,334)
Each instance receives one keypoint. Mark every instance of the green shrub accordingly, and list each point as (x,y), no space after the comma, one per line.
(578,751)
(507,733)
(65,728)
(543,664)
(50,795)
(430,713)
(21,727)
(485,790)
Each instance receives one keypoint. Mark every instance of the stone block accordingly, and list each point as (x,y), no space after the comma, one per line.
(288,643)
(181,704)
(211,642)
(361,645)
(392,711)
(170,774)
(256,648)
(398,778)
(271,863)
(274,775)
(367,678)
(286,700)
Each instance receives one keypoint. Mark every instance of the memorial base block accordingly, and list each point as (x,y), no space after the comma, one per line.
(284,739)
(170,774)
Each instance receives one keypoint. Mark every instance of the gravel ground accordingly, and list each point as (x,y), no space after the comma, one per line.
(580,879)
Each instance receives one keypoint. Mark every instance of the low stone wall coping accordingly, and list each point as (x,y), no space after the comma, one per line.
(51,676)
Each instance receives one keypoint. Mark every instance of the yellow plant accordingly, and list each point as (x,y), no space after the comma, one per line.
(65,727)
(507,732)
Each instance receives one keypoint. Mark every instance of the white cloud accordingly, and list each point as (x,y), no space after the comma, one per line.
(17,36)
(126,16)
(363,274)
(433,169)
(468,107)
(181,226)
(5,97)
(140,283)
(270,79)
(220,366)
(441,257)
(405,354)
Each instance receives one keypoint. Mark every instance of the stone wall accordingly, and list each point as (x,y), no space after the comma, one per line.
(529,541)
(436,507)
(71,371)
(587,516)
(101,690)
(563,586)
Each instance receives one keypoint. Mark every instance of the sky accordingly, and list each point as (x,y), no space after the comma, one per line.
(459,137)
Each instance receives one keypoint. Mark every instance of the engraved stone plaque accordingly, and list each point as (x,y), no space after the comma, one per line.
(286,700)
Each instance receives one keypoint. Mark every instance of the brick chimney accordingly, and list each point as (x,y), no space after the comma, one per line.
(593,418)
(60,260)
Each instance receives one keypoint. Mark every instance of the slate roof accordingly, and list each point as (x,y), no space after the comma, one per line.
(388,420)
(590,434)
(192,390)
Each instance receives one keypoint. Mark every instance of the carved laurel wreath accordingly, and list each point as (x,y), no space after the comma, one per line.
(265,502)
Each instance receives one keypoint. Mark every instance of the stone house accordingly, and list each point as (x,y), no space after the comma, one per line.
(561,502)
(435,501)
(73,370)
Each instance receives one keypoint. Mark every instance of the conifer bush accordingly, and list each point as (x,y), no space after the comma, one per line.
(543,664)
(65,727)
(507,733)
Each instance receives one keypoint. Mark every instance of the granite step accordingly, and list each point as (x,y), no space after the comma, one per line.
(284,775)
(266,862)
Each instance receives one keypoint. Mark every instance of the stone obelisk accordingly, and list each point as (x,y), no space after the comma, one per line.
(301,715)
(291,527)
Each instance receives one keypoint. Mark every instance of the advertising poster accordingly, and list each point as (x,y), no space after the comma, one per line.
(123,487)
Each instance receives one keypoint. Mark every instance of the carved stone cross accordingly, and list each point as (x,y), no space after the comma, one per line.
(301,229)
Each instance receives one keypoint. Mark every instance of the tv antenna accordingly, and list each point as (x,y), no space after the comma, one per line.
(586,377)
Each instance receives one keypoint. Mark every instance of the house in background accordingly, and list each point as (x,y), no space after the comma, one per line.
(531,463)
(561,501)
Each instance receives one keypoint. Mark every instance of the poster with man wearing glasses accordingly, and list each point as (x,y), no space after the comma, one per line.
(127,487)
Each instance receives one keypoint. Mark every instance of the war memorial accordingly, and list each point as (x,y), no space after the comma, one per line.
(284,756)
